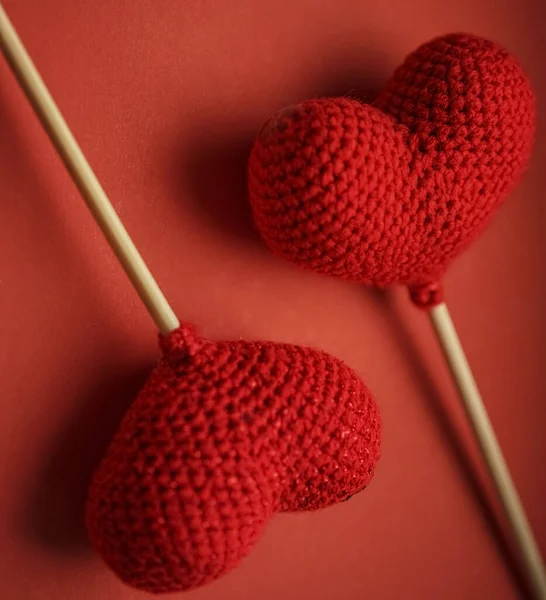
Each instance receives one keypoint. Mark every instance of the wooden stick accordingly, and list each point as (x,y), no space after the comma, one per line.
(83,176)
(490,448)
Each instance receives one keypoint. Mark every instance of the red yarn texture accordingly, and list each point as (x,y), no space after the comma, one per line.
(223,435)
(391,193)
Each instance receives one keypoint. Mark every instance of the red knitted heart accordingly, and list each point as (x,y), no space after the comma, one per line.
(391,193)
(223,435)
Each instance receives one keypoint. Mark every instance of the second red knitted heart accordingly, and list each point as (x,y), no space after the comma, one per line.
(222,436)
(391,193)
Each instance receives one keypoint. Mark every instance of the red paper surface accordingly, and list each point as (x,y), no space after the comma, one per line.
(165,98)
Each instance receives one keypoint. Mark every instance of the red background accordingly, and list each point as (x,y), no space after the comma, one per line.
(165,97)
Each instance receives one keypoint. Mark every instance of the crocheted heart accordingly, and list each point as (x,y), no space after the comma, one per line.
(223,435)
(391,193)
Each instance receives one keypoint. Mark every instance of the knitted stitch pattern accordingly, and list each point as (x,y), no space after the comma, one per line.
(391,193)
(223,435)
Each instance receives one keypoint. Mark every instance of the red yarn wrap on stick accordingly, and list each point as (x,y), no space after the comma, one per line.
(426,296)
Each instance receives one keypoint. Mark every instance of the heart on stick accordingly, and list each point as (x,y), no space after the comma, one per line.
(390,193)
(222,436)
